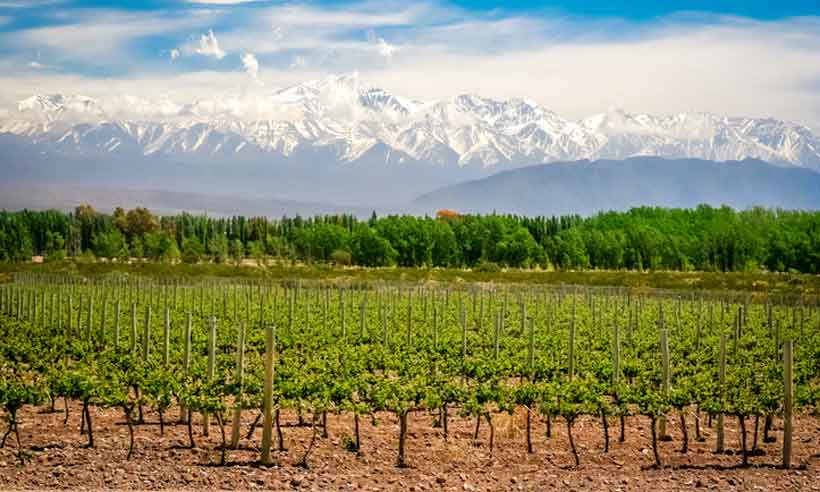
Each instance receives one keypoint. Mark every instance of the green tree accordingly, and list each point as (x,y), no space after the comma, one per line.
(369,249)
(192,250)
(110,245)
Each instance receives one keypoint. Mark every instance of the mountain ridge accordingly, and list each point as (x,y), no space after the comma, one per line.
(587,187)
(340,140)
(349,116)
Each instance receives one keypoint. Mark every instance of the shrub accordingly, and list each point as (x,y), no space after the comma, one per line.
(341,257)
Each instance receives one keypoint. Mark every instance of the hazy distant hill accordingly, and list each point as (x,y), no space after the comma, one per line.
(586,187)
(66,197)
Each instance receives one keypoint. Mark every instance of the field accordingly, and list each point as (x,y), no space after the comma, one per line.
(127,379)
(772,284)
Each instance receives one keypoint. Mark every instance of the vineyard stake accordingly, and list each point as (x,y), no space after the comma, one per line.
(788,401)
(267,398)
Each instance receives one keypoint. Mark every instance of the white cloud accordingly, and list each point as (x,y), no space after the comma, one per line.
(96,37)
(174,54)
(251,65)
(209,46)
(352,16)
(26,4)
(36,65)
(744,69)
(298,62)
(573,66)
(385,49)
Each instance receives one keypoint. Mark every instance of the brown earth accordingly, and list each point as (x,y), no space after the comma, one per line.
(58,460)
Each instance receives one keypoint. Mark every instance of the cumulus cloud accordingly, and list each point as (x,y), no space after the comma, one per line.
(209,46)
(96,37)
(298,62)
(575,66)
(383,48)
(251,65)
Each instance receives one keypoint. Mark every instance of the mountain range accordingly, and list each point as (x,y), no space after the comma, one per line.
(587,187)
(341,140)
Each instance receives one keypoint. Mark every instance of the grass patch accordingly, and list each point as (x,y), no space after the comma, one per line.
(757,282)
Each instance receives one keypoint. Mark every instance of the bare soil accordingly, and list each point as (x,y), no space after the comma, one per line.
(58,459)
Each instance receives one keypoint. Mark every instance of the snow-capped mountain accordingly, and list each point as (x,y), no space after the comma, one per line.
(340,140)
(348,118)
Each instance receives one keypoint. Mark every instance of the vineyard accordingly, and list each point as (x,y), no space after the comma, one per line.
(239,367)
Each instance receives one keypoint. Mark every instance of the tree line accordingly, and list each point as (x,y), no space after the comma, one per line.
(647,238)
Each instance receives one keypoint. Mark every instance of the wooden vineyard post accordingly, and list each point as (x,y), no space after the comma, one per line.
(571,352)
(435,325)
(307,307)
(383,317)
(497,333)
(736,336)
(769,325)
(59,312)
(325,304)
(291,300)
(68,327)
(665,382)
(132,344)
(530,375)
(103,314)
(166,337)
(117,325)
(480,321)
(89,319)
(463,321)
(267,397)
(186,361)
(240,377)
(342,313)
(146,334)
(616,354)
(363,318)
(531,348)
(52,310)
(409,317)
(206,423)
(788,401)
(80,316)
(722,390)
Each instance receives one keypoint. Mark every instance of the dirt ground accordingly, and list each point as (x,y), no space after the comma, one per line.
(58,459)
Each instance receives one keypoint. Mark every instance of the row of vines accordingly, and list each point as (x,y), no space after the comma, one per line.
(206,352)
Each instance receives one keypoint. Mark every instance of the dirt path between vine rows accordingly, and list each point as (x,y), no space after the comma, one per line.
(59,461)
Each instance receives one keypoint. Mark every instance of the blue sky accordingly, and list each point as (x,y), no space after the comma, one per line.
(748,57)
(634,9)
(647,9)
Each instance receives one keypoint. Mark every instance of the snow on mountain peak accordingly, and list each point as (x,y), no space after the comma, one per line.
(350,116)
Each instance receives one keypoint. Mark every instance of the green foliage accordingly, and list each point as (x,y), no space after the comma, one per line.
(341,257)
(110,245)
(369,249)
(400,364)
(192,250)
(646,238)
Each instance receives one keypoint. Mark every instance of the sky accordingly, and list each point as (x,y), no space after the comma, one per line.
(575,57)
